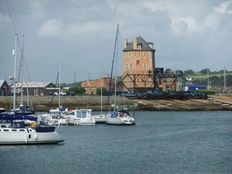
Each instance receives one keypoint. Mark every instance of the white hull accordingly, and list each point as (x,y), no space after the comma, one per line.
(126,120)
(100,118)
(86,121)
(15,136)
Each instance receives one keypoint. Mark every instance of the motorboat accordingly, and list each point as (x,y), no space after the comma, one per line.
(120,117)
(73,117)
(55,116)
(20,134)
(85,117)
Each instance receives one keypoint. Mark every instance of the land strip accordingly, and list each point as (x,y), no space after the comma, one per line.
(43,103)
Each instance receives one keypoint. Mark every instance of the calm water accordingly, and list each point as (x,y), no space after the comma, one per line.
(160,143)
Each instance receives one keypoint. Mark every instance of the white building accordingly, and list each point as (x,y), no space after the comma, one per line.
(36,88)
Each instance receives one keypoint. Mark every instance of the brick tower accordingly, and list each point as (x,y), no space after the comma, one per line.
(138,65)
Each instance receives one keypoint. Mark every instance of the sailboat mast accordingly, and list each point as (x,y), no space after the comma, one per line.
(21,71)
(15,62)
(115,78)
(112,67)
(59,84)
(101,96)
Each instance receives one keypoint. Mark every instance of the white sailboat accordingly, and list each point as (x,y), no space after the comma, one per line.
(100,118)
(56,116)
(118,116)
(19,133)
(27,135)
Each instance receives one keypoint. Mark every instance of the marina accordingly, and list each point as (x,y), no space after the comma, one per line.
(153,98)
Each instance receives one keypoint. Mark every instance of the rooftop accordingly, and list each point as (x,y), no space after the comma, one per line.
(140,44)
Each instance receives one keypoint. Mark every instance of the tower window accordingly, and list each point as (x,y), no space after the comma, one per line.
(137,62)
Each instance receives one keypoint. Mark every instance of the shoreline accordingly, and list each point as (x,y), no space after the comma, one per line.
(43,103)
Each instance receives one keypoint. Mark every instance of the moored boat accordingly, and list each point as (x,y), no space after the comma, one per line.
(85,117)
(121,117)
(20,134)
(101,118)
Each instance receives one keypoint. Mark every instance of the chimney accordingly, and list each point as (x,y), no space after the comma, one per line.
(135,44)
(126,43)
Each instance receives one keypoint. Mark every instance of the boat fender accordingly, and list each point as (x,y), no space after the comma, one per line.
(36,137)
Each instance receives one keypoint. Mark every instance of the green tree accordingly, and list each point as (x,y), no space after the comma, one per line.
(168,71)
(205,71)
(104,91)
(77,90)
(188,72)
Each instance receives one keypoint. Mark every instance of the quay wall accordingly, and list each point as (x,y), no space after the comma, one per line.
(43,103)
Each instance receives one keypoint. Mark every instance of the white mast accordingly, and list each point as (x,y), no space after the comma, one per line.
(59,83)
(21,68)
(101,96)
(15,62)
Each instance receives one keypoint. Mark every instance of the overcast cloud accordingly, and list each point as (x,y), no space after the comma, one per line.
(79,34)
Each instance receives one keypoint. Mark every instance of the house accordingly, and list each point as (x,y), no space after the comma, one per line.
(36,88)
(4,88)
(92,86)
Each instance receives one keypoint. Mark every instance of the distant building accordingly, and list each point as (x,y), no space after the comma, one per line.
(139,62)
(92,86)
(139,57)
(36,88)
(4,88)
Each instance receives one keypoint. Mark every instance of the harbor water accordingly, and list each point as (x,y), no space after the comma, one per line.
(160,143)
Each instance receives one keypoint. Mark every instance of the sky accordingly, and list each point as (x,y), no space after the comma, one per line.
(78,35)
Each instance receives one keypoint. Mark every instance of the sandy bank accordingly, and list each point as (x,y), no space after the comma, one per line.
(44,103)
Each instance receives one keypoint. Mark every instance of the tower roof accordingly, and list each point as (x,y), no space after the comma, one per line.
(139,44)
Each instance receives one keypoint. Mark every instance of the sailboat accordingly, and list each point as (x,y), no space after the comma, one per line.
(23,109)
(100,118)
(18,132)
(120,115)
(57,116)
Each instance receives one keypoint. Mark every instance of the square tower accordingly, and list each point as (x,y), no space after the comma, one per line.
(138,65)
(138,56)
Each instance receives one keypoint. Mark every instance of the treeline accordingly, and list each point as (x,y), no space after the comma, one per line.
(214,81)
(203,72)
(206,77)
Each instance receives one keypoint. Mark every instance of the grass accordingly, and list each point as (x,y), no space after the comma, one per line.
(204,76)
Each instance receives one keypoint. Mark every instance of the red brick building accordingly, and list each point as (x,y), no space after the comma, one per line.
(92,86)
(138,62)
